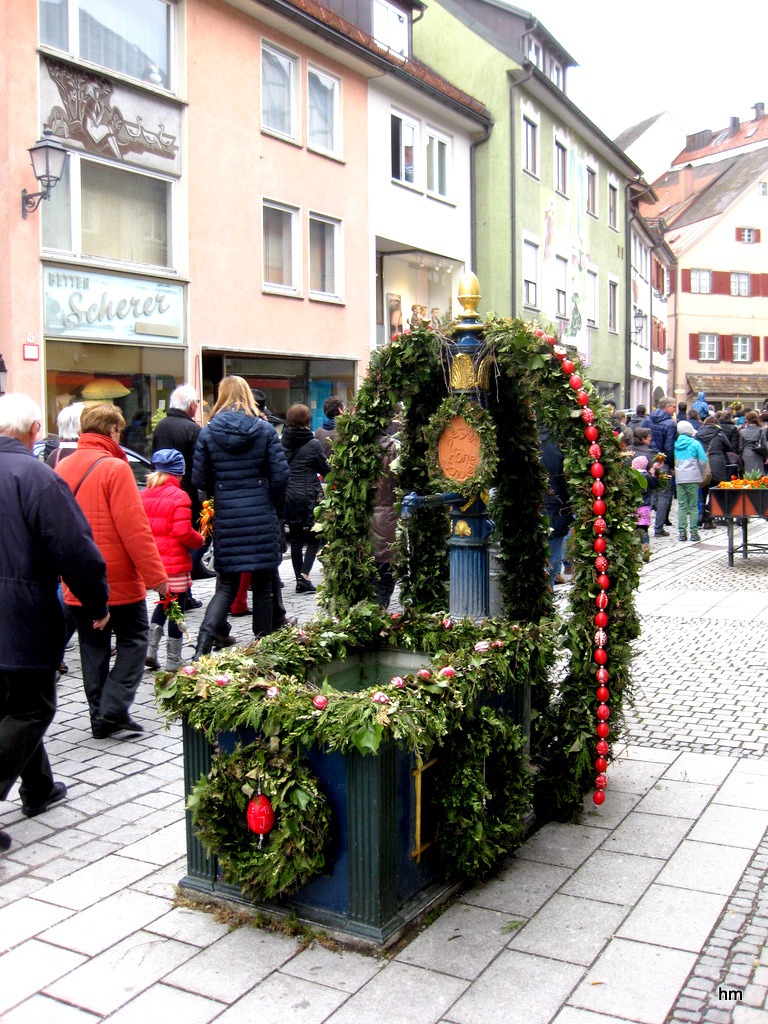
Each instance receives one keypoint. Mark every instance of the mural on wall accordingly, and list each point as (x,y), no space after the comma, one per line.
(574,331)
(88,116)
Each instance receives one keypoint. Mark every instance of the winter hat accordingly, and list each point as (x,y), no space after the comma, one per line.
(684,427)
(168,460)
(640,463)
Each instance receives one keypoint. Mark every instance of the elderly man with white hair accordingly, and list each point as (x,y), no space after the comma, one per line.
(44,536)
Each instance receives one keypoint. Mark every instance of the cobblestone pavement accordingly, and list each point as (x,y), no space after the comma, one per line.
(651,908)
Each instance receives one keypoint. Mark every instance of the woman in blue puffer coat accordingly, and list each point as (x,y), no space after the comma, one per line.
(239,462)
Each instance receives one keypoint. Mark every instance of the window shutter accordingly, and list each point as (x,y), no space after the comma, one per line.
(755,285)
(663,340)
(726,344)
(693,346)
(755,348)
(757,234)
(764,284)
(685,280)
(765,349)
(739,234)
(672,278)
(721,282)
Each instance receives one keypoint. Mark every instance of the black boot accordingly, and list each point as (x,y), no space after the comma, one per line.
(204,644)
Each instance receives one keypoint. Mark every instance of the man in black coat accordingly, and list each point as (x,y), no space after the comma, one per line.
(663,437)
(45,535)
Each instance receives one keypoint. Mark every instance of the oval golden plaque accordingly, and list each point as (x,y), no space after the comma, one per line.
(458,450)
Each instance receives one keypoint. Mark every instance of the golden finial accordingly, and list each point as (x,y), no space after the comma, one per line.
(469,296)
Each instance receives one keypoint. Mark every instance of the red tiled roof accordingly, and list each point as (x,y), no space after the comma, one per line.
(741,138)
(413,67)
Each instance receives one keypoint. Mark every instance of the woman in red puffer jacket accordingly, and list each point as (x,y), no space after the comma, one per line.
(169,510)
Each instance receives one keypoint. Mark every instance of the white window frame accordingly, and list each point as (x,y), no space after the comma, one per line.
(441,139)
(336,148)
(292,135)
(613,215)
(561,158)
(338,263)
(415,124)
(561,287)
(709,342)
(526,150)
(73,46)
(748,236)
(296,259)
(390,27)
(535,52)
(614,289)
(592,274)
(593,172)
(763,189)
(556,73)
(741,284)
(744,348)
(701,277)
(531,285)
(75,252)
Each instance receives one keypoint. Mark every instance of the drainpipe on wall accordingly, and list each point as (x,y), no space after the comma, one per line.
(512,193)
(628,299)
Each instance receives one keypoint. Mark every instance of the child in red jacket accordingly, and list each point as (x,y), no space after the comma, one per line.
(169,510)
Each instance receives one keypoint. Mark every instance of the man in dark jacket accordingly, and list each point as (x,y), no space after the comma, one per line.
(326,433)
(663,437)
(556,502)
(44,535)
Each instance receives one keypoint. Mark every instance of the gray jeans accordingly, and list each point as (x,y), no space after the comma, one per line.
(110,693)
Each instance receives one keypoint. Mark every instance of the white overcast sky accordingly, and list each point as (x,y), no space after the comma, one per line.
(703,62)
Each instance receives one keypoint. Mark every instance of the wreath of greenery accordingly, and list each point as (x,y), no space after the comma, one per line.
(479,420)
(293,851)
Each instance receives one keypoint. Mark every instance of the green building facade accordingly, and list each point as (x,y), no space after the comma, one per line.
(551,192)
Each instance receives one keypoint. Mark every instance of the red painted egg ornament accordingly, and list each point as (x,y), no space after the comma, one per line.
(600,656)
(587,415)
(603,713)
(600,545)
(602,730)
(582,398)
(591,433)
(601,620)
(596,469)
(602,601)
(601,563)
(600,764)
(561,353)
(598,797)
(601,638)
(575,381)
(539,333)
(598,507)
(599,525)
(602,676)
(260,816)
(601,782)
(598,488)
(595,451)
(601,747)
(568,366)
(603,582)
(320,701)
(602,694)
(550,340)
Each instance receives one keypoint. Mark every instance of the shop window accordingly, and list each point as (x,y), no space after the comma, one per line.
(437,164)
(106,212)
(390,27)
(278,92)
(403,147)
(324,277)
(280,249)
(323,121)
(133,39)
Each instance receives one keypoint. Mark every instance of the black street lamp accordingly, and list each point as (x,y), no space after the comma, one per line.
(48,158)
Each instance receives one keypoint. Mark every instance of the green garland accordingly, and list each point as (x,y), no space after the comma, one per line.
(292,852)
(473,413)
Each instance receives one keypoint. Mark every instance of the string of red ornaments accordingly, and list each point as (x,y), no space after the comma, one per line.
(600,642)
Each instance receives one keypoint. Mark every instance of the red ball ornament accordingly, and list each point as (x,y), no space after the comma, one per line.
(598,797)
(259,815)
(601,656)
(601,563)
(603,712)
(582,398)
(599,525)
(603,582)
(320,701)
(598,507)
(550,340)
(575,381)
(595,451)
(602,676)
(596,469)
(601,782)
(598,488)
(601,620)
(600,764)
(587,415)
(601,747)
(599,545)
(601,638)
(602,601)
(602,730)
(591,433)
(568,366)
(602,694)
(561,353)
(539,333)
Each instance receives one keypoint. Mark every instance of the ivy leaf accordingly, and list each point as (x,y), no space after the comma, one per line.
(367,738)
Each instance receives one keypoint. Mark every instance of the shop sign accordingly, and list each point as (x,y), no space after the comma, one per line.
(108,307)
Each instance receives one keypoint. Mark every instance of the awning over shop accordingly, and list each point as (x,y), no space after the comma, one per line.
(729,386)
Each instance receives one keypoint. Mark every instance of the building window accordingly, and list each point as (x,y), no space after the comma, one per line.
(390,27)
(613,306)
(535,53)
(591,192)
(556,74)
(560,168)
(403,148)
(324,277)
(561,286)
(134,39)
(613,207)
(740,284)
(592,298)
(278,92)
(530,274)
(110,213)
(530,163)
(763,188)
(748,235)
(280,248)
(742,348)
(707,347)
(323,121)
(701,281)
(437,164)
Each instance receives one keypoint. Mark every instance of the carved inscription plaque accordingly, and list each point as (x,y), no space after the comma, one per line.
(458,450)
